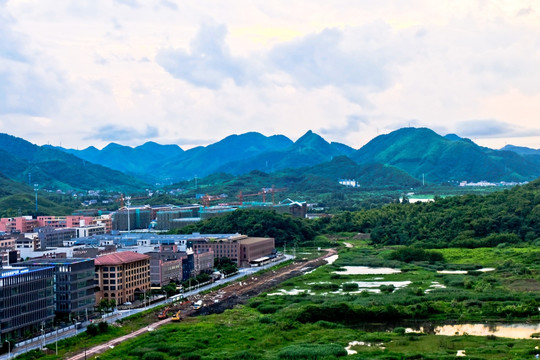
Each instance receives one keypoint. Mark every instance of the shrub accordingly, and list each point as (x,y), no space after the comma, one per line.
(103,326)
(350,286)
(92,330)
(266,320)
(327,324)
(330,287)
(409,254)
(245,355)
(312,351)
(268,308)
(387,288)
(153,355)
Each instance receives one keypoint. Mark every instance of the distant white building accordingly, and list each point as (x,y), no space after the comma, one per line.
(348,182)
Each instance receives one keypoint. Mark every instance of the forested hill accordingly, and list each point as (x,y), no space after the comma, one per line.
(51,168)
(422,152)
(509,216)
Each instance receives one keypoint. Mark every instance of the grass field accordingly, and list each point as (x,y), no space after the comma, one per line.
(330,310)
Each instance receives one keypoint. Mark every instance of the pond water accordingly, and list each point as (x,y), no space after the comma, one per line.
(435,285)
(331,259)
(289,292)
(372,286)
(463,271)
(366,270)
(513,331)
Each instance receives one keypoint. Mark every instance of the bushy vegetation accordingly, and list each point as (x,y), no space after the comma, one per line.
(260,223)
(471,221)
(408,255)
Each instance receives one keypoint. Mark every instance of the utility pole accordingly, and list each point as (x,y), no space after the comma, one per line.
(35,190)
(128,203)
(42,335)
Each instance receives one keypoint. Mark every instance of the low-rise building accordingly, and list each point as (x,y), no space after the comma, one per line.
(122,276)
(21,224)
(90,230)
(203,261)
(9,256)
(51,237)
(240,248)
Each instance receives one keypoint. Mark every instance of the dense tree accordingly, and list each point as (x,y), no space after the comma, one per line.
(509,216)
(260,223)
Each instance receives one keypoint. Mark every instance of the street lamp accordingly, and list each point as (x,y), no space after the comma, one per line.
(9,348)
(128,203)
(165,292)
(42,336)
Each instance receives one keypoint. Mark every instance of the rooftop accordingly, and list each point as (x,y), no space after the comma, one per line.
(7,271)
(58,261)
(119,258)
(252,240)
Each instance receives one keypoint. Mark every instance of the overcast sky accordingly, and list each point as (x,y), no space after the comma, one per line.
(88,72)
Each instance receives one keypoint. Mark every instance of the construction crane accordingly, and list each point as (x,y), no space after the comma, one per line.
(205,199)
(123,198)
(272,190)
(241,196)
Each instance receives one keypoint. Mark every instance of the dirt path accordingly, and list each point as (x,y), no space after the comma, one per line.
(349,245)
(225,298)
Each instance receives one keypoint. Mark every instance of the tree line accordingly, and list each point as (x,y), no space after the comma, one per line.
(505,217)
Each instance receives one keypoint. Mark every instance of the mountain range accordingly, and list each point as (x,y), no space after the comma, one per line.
(407,154)
(55,169)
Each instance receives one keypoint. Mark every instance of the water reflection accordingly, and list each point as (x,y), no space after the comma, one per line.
(366,270)
(513,331)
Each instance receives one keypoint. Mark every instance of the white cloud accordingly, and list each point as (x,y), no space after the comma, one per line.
(208,63)
(192,71)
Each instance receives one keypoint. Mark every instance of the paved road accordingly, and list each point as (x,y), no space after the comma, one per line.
(53,336)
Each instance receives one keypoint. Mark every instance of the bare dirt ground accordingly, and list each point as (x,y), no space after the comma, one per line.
(222,299)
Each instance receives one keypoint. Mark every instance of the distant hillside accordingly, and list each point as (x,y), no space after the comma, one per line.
(169,163)
(54,169)
(17,198)
(420,151)
(139,161)
(521,150)
(310,149)
(315,180)
(204,161)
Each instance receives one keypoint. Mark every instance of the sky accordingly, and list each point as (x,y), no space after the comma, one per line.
(91,72)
